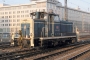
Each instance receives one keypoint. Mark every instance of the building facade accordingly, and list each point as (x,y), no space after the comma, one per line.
(10,16)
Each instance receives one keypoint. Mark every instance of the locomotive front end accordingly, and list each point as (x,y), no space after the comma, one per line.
(27,28)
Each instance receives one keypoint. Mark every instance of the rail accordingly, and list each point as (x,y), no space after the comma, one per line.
(80,54)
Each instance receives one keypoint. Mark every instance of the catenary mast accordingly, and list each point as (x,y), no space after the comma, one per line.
(66,11)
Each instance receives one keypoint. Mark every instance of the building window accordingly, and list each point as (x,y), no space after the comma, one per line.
(8,29)
(22,11)
(26,11)
(18,16)
(3,24)
(2,20)
(2,16)
(43,9)
(13,12)
(6,12)
(14,24)
(14,16)
(6,16)
(2,13)
(18,20)
(12,29)
(26,15)
(9,12)
(18,11)
(22,15)
(10,20)
(14,20)
(18,24)
(10,16)
(6,24)
(10,24)
(6,20)
(30,11)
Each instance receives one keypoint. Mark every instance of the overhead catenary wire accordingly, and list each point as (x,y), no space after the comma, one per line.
(85,1)
(78,6)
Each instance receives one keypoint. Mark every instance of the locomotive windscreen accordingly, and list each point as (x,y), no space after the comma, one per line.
(56,19)
(25,28)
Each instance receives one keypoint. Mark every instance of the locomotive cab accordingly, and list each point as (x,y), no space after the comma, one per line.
(27,28)
(48,17)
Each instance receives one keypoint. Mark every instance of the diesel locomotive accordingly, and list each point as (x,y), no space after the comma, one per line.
(46,29)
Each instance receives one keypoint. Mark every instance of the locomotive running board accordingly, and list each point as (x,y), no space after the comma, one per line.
(45,38)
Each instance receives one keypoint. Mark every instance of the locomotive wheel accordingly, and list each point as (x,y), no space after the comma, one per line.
(26,43)
(73,40)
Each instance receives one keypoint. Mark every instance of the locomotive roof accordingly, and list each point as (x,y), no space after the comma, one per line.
(44,13)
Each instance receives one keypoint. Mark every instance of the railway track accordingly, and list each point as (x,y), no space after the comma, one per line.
(34,53)
(66,54)
(14,54)
(85,55)
(4,45)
